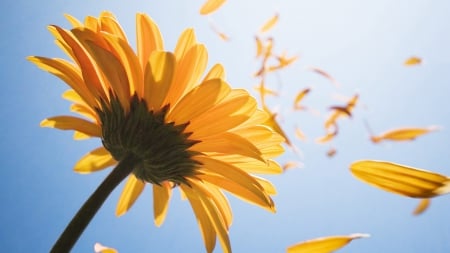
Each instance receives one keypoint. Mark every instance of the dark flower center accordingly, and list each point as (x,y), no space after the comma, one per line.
(160,148)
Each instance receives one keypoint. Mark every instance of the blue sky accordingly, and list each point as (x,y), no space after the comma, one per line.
(362,45)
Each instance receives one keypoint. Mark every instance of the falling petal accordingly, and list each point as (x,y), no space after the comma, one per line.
(217,31)
(290,165)
(324,74)
(299,98)
(404,134)
(299,134)
(331,152)
(269,23)
(210,6)
(412,61)
(422,206)
(324,244)
(401,179)
(99,248)
(283,61)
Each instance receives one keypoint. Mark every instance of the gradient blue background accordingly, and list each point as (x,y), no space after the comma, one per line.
(362,45)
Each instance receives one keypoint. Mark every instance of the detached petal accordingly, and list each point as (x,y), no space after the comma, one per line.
(210,6)
(324,244)
(401,179)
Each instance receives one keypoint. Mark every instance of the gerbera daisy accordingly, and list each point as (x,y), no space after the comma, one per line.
(161,124)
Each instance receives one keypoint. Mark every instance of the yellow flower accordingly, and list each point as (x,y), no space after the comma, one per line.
(153,109)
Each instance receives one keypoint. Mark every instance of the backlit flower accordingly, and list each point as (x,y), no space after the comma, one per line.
(157,109)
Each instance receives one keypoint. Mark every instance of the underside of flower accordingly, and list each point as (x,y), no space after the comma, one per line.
(160,148)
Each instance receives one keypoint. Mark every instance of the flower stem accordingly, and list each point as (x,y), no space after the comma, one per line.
(80,221)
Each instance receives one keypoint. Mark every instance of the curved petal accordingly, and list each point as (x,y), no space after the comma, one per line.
(401,179)
(129,62)
(188,71)
(219,199)
(131,191)
(232,111)
(95,160)
(324,244)
(110,25)
(235,180)
(210,6)
(73,123)
(68,73)
(186,41)
(157,78)
(88,68)
(228,143)
(199,100)
(217,71)
(161,197)
(149,38)
(204,222)
(114,72)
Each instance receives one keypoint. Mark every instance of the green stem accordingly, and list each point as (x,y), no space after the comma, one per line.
(80,221)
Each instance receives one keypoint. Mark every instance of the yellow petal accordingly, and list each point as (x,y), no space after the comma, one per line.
(259,46)
(186,41)
(199,100)
(96,160)
(88,68)
(84,111)
(92,24)
(412,61)
(219,199)
(404,134)
(216,219)
(204,222)
(253,196)
(272,122)
(189,69)
(158,76)
(217,71)
(269,23)
(130,62)
(149,38)
(210,6)
(73,123)
(161,197)
(114,71)
(236,181)
(422,206)
(401,179)
(110,25)
(73,21)
(228,143)
(231,112)
(131,191)
(299,98)
(324,244)
(68,73)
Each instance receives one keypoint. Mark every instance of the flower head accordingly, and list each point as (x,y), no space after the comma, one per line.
(154,108)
